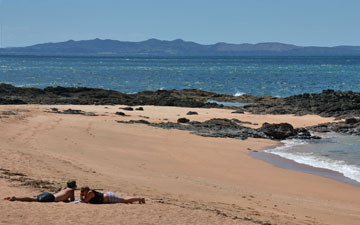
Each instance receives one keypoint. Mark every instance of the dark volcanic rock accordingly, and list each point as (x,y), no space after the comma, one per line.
(240,111)
(351,120)
(329,103)
(221,122)
(278,131)
(11,102)
(183,120)
(349,126)
(120,114)
(228,128)
(73,111)
(242,122)
(140,109)
(192,113)
(128,108)
(89,114)
(88,96)
(303,133)
(321,128)
(134,121)
(283,131)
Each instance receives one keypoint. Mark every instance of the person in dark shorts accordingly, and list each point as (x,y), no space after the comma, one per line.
(45,197)
(94,197)
(67,194)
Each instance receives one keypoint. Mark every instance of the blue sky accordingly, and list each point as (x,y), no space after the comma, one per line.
(300,22)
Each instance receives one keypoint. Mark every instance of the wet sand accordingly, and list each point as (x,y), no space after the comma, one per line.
(186,179)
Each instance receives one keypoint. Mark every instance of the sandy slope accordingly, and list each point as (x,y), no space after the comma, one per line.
(186,179)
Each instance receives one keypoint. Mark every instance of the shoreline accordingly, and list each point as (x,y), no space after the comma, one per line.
(185,178)
(288,164)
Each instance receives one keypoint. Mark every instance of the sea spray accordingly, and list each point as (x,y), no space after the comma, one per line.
(238,93)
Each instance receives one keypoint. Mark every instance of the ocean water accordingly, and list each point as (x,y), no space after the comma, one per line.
(274,75)
(270,75)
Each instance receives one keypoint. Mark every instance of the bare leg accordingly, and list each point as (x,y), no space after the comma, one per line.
(132,200)
(22,199)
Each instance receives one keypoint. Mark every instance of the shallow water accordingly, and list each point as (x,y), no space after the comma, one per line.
(292,165)
(340,153)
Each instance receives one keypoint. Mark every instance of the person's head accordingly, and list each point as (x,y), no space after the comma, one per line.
(71,184)
(84,190)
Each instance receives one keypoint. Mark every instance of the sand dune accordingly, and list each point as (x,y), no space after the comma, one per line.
(186,179)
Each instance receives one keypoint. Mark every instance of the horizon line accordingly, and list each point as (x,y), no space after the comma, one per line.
(180,39)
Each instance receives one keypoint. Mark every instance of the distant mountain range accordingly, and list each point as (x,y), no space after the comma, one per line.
(177,48)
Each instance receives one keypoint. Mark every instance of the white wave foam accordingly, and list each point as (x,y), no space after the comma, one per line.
(287,144)
(348,170)
(293,142)
(238,93)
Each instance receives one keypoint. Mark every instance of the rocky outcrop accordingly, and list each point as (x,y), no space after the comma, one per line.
(183,120)
(328,103)
(128,108)
(190,113)
(233,129)
(11,101)
(73,111)
(283,131)
(349,126)
(88,96)
(120,114)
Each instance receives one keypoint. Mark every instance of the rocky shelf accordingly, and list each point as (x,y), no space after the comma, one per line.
(225,128)
(328,103)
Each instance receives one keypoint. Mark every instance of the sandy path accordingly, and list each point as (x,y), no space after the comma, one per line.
(186,179)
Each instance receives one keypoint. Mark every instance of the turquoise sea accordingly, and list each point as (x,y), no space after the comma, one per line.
(255,75)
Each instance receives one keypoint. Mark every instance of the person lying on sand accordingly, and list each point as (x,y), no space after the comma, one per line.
(94,197)
(64,195)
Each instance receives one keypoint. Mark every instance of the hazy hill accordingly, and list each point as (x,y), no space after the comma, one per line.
(176,47)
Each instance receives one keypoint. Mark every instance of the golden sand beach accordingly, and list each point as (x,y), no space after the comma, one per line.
(185,178)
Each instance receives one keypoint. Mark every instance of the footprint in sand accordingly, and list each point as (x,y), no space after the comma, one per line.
(88,130)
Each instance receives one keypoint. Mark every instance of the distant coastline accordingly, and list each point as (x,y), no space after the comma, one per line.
(179,47)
